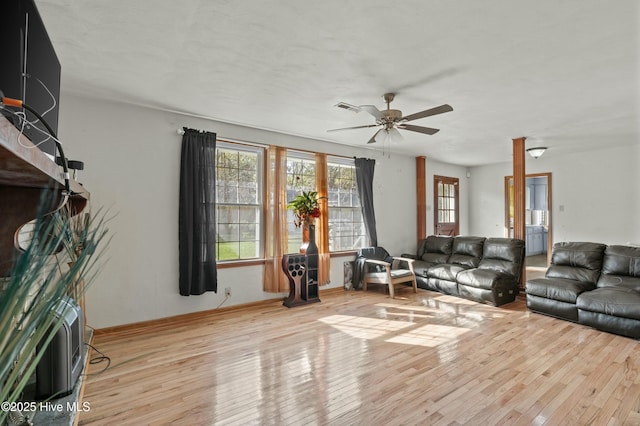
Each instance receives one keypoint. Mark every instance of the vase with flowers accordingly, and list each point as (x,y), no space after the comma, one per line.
(306,209)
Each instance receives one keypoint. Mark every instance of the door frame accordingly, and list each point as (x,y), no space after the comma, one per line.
(436,178)
(549,209)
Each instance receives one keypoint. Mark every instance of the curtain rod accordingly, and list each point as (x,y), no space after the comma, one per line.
(223,139)
(180,131)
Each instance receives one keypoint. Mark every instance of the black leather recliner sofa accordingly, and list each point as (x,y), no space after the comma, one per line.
(486,270)
(591,284)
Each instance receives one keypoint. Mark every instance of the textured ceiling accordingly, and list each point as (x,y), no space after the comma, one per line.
(564,74)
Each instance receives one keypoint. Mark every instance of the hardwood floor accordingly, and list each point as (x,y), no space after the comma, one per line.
(363,358)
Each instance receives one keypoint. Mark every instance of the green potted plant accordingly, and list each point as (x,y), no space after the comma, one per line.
(306,208)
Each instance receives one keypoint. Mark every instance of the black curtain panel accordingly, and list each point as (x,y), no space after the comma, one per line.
(197,218)
(364,178)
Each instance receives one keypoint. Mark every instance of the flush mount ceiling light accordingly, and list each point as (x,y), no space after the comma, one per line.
(537,151)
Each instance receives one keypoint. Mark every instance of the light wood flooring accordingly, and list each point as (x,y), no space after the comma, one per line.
(361,358)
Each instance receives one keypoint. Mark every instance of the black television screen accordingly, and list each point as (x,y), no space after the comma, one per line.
(29,70)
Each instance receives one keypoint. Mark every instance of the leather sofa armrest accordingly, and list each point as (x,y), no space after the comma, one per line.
(410,256)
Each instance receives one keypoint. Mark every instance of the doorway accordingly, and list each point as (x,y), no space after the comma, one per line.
(538,243)
(446,199)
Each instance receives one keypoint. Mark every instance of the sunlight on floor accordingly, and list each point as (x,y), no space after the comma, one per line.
(364,328)
(430,335)
(407,307)
(454,299)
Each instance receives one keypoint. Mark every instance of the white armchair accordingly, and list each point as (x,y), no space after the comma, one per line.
(400,270)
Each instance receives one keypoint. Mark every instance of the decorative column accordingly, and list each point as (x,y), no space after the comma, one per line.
(421,197)
(519,229)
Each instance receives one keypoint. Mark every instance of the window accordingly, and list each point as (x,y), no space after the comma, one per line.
(446,201)
(238,201)
(301,176)
(346,227)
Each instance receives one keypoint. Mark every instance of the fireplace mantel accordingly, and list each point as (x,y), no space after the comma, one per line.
(25,173)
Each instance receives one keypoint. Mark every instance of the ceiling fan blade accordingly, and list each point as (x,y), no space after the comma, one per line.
(373,138)
(351,128)
(419,129)
(348,107)
(428,112)
(371,109)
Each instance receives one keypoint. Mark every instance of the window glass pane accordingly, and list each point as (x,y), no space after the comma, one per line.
(346,227)
(247,195)
(227,214)
(238,189)
(248,232)
(246,161)
(301,176)
(227,232)
(248,177)
(334,197)
(355,198)
(249,215)
(249,249)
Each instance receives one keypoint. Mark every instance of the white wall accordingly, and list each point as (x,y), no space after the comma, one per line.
(595,195)
(132,157)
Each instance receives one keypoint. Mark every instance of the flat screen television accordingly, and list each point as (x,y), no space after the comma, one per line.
(29,69)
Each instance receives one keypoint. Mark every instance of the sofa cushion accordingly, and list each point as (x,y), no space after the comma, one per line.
(555,308)
(435,249)
(503,255)
(445,271)
(420,267)
(621,267)
(562,289)
(576,261)
(467,251)
(615,301)
(486,279)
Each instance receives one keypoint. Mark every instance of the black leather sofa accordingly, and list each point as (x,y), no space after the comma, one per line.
(591,284)
(486,270)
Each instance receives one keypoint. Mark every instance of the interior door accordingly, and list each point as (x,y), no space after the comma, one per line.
(446,194)
(537,215)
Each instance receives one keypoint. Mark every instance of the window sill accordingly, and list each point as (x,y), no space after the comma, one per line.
(342,253)
(253,262)
(239,263)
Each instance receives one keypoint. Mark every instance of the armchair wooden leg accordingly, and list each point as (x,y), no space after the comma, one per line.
(391,293)
(415,285)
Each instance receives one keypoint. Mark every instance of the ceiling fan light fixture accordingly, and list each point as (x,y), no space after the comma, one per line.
(382,136)
(537,151)
(394,135)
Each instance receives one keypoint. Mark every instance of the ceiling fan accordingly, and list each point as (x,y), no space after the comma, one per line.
(391,119)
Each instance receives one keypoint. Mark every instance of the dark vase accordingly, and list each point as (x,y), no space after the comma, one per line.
(312,265)
(312,247)
(308,235)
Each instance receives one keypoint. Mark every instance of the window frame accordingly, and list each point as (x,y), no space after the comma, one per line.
(304,156)
(349,162)
(260,171)
(261,150)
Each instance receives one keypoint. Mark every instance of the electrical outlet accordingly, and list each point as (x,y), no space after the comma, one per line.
(227,292)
